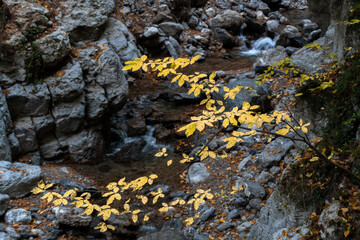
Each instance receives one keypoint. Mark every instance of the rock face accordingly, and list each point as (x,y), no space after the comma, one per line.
(330,222)
(274,216)
(62,116)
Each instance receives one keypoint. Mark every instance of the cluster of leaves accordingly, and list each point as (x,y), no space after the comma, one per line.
(214,115)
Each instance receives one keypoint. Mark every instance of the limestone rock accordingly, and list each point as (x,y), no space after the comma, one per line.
(72,216)
(69,117)
(29,100)
(19,215)
(4,202)
(68,85)
(54,47)
(197,173)
(86,146)
(330,222)
(26,135)
(227,19)
(172,29)
(275,152)
(96,102)
(18,179)
(85,19)
(121,40)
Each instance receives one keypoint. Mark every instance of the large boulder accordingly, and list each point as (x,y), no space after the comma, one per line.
(229,20)
(330,221)
(224,37)
(121,40)
(54,47)
(85,19)
(18,179)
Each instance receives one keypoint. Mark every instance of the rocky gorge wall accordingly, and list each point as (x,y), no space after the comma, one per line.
(61,78)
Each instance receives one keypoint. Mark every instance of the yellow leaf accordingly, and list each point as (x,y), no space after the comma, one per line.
(298,94)
(41,184)
(57,202)
(144,199)
(134,218)
(346,233)
(194,59)
(153,176)
(146,217)
(169,162)
(143,58)
(111,227)
(231,141)
(189,221)
(283,131)
(37,190)
(226,123)
(190,130)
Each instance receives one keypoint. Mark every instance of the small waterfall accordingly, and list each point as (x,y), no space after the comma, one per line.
(260,45)
(145,144)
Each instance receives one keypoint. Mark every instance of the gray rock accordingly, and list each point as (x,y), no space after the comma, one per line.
(208,214)
(308,28)
(4,202)
(44,125)
(71,216)
(172,29)
(211,12)
(19,215)
(314,35)
(86,146)
(255,203)
(290,31)
(5,147)
(68,86)
(31,15)
(199,236)
(264,177)
(12,233)
(193,21)
(151,32)
(84,20)
(284,20)
(253,190)
(173,47)
(298,235)
(234,214)
(244,162)
(51,149)
(330,222)
(5,117)
(26,135)
(239,202)
(197,173)
(5,236)
(227,19)
(224,226)
(54,47)
(166,234)
(274,216)
(272,26)
(20,180)
(244,226)
(96,102)
(29,100)
(69,117)
(224,37)
(255,95)
(268,57)
(274,152)
(121,40)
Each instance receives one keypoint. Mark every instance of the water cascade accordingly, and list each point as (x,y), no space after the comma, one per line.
(260,45)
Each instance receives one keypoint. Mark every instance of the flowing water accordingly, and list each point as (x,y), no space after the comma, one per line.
(259,45)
